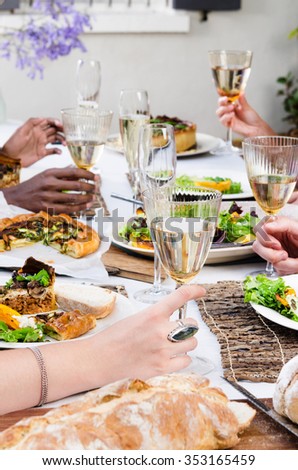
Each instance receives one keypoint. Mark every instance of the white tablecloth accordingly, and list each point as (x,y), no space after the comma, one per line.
(112,168)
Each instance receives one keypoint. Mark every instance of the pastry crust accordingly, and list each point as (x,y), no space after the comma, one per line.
(67,325)
(184,132)
(61,232)
(285,398)
(167,412)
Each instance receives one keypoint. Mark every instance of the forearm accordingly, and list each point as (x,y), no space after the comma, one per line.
(69,368)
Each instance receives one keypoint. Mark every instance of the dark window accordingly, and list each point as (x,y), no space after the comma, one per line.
(207,5)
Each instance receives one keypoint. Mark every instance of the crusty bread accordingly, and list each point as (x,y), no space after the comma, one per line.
(285,398)
(167,412)
(88,299)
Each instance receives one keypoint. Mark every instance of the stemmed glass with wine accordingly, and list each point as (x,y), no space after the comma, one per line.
(182,224)
(272,169)
(133,114)
(86,132)
(157,168)
(230,72)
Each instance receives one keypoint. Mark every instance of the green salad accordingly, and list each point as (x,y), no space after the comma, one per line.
(272,293)
(224,185)
(237,227)
(22,335)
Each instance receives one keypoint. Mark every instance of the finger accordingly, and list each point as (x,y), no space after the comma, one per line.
(223,100)
(269,254)
(178,363)
(227,119)
(183,347)
(282,225)
(288,266)
(77,185)
(69,198)
(268,240)
(66,208)
(222,111)
(72,173)
(176,299)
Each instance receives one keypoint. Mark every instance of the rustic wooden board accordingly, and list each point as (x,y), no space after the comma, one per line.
(263,433)
(120,263)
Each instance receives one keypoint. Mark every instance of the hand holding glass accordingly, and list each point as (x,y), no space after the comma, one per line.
(272,170)
(230,72)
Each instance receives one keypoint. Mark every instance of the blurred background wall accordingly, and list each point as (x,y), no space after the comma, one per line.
(172,67)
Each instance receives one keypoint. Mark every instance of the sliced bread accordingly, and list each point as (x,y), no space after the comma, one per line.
(88,299)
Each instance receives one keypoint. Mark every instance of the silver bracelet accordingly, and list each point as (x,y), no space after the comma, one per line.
(43,375)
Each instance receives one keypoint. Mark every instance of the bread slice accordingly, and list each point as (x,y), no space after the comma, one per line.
(88,299)
(243,412)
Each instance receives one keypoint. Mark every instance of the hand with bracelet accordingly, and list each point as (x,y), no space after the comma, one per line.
(144,345)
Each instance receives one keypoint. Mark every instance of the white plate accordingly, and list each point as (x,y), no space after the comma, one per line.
(235,176)
(273,315)
(123,308)
(205,143)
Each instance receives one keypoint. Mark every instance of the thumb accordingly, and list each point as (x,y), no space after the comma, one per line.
(242,102)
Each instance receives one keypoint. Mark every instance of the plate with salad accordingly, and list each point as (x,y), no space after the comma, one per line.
(231,185)
(233,239)
(274,299)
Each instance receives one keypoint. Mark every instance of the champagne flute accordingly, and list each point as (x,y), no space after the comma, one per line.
(230,72)
(133,113)
(88,81)
(86,131)
(157,168)
(182,223)
(272,169)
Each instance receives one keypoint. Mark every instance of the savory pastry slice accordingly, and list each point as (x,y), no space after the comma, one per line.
(30,289)
(9,171)
(22,230)
(66,325)
(184,132)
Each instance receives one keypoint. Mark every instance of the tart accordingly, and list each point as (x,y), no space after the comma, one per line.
(184,131)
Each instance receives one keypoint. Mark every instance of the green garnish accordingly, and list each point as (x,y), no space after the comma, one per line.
(236,225)
(185,181)
(42,277)
(21,335)
(274,294)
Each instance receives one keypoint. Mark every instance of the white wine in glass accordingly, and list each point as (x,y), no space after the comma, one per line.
(86,131)
(183,223)
(157,162)
(133,114)
(230,73)
(272,169)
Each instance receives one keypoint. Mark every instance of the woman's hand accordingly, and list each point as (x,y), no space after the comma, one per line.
(277,242)
(29,141)
(242,118)
(138,347)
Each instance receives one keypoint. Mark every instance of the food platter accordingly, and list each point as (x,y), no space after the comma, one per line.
(204,144)
(235,176)
(123,308)
(273,315)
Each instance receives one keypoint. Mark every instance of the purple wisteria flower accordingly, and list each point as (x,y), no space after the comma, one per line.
(53,34)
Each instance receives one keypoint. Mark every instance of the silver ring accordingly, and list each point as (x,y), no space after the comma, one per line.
(182,332)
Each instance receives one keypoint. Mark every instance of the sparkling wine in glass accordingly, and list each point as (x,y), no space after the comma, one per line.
(88,81)
(133,114)
(157,168)
(230,73)
(272,169)
(86,131)
(183,223)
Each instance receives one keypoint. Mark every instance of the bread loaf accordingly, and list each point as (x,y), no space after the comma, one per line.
(88,299)
(166,412)
(285,398)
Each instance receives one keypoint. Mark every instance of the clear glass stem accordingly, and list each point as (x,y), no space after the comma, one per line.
(181,310)
(269,269)
(157,273)
(229,137)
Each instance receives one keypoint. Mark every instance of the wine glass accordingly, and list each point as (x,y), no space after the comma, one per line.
(133,113)
(182,224)
(157,168)
(230,72)
(272,169)
(88,80)
(86,131)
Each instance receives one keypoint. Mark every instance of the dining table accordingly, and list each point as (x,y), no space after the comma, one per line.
(112,168)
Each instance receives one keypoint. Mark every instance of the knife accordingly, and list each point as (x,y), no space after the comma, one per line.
(284,422)
(127,199)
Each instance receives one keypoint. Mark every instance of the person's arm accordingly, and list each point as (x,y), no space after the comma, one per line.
(242,118)
(28,143)
(277,242)
(136,347)
(46,191)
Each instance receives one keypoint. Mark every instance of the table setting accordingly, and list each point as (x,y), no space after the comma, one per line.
(240,343)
